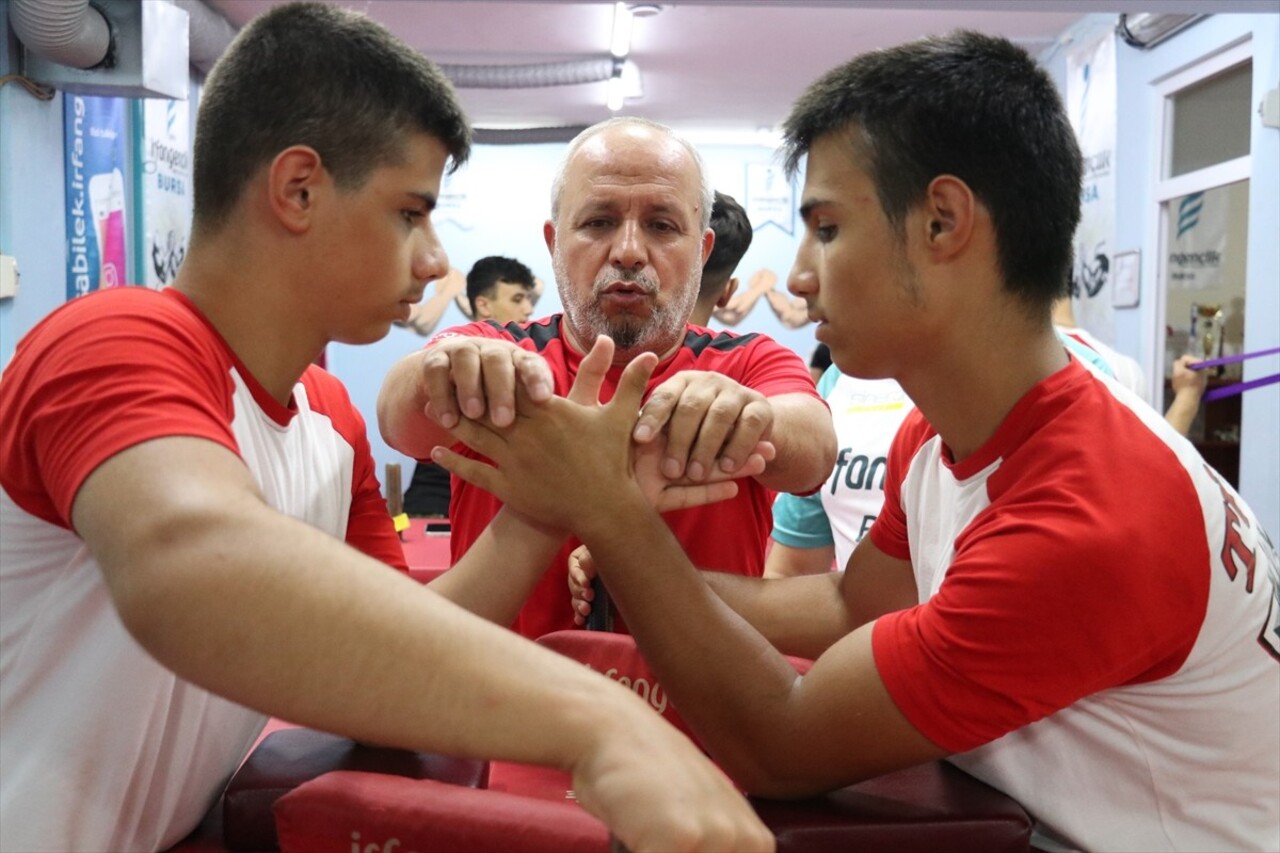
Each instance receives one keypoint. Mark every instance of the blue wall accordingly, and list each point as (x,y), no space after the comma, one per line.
(32,212)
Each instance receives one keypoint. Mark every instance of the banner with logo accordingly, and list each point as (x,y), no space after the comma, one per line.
(1198,240)
(164,188)
(1091,103)
(94,134)
(770,197)
(455,203)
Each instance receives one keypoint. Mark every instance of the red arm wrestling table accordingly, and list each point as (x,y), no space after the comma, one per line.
(320,792)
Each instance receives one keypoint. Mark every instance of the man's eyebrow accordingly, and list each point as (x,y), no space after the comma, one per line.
(597,204)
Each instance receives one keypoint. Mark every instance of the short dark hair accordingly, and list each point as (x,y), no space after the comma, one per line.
(487,272)
(317,75)
(970,105)
(733,238)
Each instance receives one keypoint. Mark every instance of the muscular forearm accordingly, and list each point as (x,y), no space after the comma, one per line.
(800,616)
(401,419)
(729,683)
(805,441)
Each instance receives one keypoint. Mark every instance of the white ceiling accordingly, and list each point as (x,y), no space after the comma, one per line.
(705,65)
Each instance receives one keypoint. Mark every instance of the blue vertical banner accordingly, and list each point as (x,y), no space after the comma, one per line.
(94,132)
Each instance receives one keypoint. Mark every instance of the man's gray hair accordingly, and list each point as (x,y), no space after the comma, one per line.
(706,191)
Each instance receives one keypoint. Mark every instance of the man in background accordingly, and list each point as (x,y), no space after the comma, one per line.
(1126,370)
(733,238)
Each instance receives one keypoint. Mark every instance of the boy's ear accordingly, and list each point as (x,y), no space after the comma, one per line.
(295,180)
(729,289)
(948,216)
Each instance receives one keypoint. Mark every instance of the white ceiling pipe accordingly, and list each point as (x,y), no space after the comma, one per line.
(210,33)
(68,32)
(534,75)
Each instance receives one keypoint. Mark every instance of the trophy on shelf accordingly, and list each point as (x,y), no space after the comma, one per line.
(1206,333)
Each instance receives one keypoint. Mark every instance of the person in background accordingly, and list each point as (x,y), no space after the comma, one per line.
(1188,388)
(733,238)
(499,290)
(819,361)
(1126,370)
(814,533)
(628,236)
(1188,385)
(193,535)
(1058,594)
(425,316)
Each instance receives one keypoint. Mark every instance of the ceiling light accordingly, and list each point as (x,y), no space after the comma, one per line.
(1148,29)
(614,96)
(620,43)
(630,76)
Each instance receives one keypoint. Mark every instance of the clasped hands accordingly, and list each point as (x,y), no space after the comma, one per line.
(573,462)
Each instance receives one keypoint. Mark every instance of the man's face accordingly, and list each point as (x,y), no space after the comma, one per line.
(509,303)
(852,267)
(378,246)
(628,248)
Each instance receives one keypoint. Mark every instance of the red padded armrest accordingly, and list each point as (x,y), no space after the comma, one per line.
(286,759)
(344,810)
(921,809)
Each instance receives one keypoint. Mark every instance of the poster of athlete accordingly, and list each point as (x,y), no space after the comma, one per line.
(1091,104)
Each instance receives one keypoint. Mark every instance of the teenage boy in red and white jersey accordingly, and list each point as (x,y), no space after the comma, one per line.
(1058,594)
(177,482)
(628,235)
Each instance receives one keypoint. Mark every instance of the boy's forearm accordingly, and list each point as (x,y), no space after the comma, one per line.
(499,571)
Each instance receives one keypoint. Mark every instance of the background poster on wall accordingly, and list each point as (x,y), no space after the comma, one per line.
(770,197)
(1091,103)
(454,204)
(1198,240)
(165,222)
(93,130)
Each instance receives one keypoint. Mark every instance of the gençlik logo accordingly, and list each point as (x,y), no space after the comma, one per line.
(1189,212)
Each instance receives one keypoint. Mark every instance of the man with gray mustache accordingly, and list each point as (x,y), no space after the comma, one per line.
(628,235)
